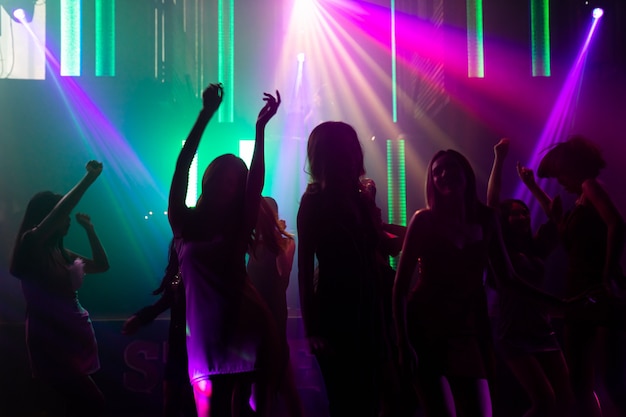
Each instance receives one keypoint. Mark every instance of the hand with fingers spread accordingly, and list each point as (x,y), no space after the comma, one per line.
(269,109)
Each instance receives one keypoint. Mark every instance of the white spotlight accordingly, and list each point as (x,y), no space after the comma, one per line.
(597,13)
(19,15)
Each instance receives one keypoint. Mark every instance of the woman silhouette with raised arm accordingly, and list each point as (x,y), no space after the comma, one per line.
(230,333)
(61,342)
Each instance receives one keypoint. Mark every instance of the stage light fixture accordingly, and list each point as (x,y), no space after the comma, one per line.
(597,13)
(19,14)
(21,11)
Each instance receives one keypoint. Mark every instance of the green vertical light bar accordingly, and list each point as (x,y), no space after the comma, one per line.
(396,184)
(220,45)
(475,44)
(540,37)
(394,75)
(192,182)
(105,38)
(226,57)
(391,189)
(199,44)
(401,183)
(70,37)
(230,83)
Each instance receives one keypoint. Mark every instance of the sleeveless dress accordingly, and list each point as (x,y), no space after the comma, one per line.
(228,325)
(60,338)
(446,311)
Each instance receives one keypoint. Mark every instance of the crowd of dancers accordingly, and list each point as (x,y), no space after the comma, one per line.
(422,340)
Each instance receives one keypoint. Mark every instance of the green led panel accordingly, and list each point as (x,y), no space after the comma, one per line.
(475,44)
(105,38)
(540,37)
(226,57)
(396,184)
(70,37)
(390,183)
(394,74)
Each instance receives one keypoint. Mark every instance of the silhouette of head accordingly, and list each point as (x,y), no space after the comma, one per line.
(224,184)
(450,175)
(572,162)
(272,204)
(335,155)
(515,221)
(39,206)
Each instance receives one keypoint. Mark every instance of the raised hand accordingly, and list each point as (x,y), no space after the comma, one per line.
(94,168)
(501,149)
(84,220)
(212,97)
(526,175)
(269,109)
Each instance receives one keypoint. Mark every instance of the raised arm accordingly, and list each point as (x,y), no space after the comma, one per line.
(211,100)
(547,204)
(595,193)
(502,268)
(494,186)
(256,175)
(60,213)
(99,262)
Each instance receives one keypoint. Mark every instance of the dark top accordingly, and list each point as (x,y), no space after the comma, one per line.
(584,239)
(447,309)
(344,230)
